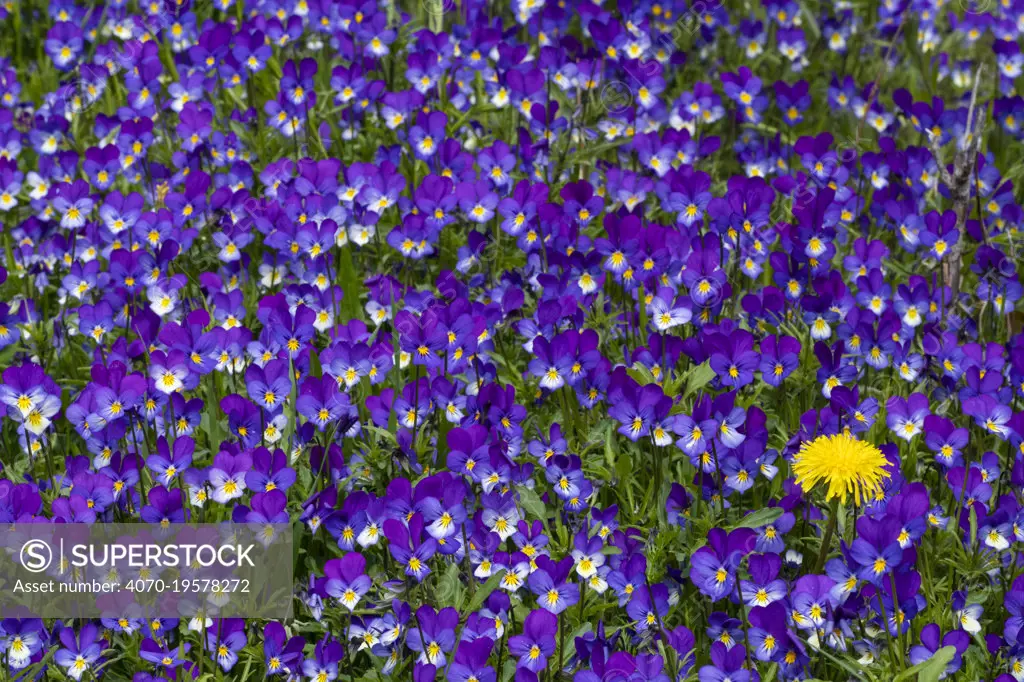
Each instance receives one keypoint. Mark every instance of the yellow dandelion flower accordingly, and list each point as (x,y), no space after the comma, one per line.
(849,466)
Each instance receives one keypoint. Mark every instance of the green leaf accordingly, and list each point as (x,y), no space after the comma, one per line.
(762,517)
(609,447)
(484,591)
(810,20)
(641,374)
(593,151)
(449,587)
(383,433)
(583,629)
(314,365)
(351,284)
(930,670)
(532,504)
(443,427)
(698,377)
(670,387)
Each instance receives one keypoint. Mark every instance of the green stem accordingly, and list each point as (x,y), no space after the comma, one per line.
(885,625)
(561,648)
(896,618)
(826,540)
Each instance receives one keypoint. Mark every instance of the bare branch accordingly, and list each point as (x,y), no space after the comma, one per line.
(968,131)
(959,180)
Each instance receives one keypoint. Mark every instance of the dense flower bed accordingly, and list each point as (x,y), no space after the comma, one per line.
(648,340)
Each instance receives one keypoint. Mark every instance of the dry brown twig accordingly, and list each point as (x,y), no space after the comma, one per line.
(959,180)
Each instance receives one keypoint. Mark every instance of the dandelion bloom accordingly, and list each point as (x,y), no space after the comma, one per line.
(846,464)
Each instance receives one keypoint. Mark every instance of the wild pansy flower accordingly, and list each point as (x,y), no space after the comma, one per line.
(64,44)
(939,235)
(165,507)
(346,580)
(531,540)
(537,642)
(970,486)
(733,357)
(792,100)
(80,651)
(323,665)
(550,584)
(945,440)
(95,489)
(764,587)
(224,639)
(877,550)
(740,467)
(695,433)
(812,602)
(32,397)
(553,360)
(514,569)
(413,406)
(22,639)
(169,371)
(833,371)
(270,471)
(641,410)
(471,660)
(995,530)
(434,634)
(166,656)
(281,655)
(168,464)
(565,475)
(769,637)
(445,515)
(727,419)
(726,664)
(906,416)
(467,448)
(779,358)
(227,476)
(714,566)
(989,415)
(408,547)
(966,615)
(930,643)
(685,192)
(770,537)
(477,201)
(581,204)
(648,606)
(321,402)
(587,554)
(745,90)
(243,419)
